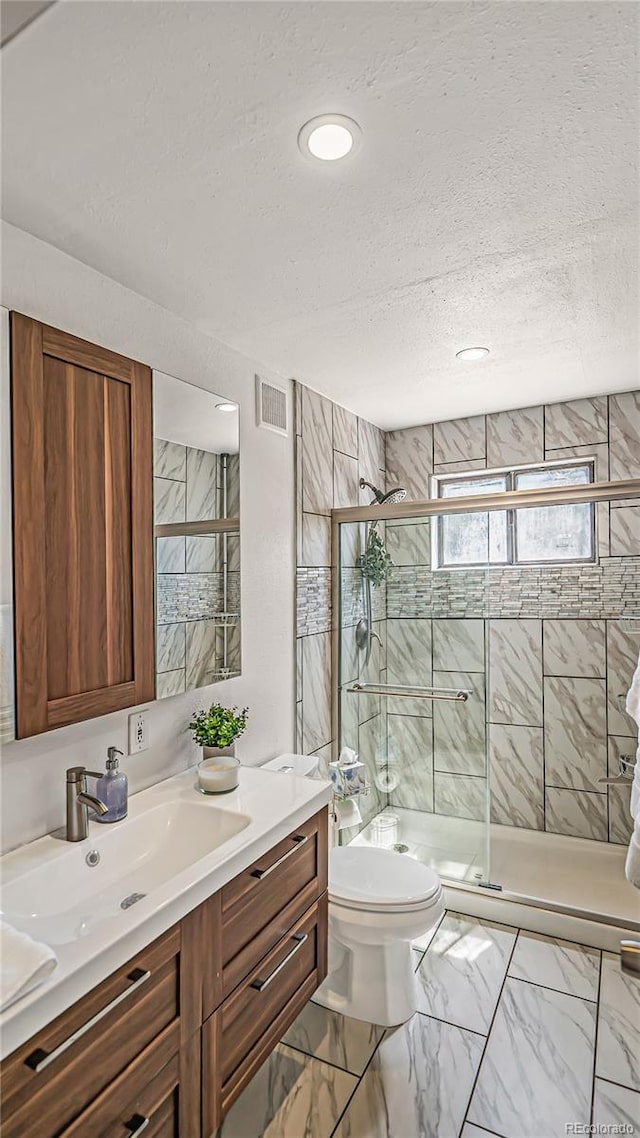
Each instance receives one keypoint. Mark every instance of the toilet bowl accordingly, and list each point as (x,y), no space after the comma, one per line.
(379,902)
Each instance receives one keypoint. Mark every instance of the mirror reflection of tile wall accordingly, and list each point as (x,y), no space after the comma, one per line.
(197,598)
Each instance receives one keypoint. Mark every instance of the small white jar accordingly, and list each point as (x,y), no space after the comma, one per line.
(218,775)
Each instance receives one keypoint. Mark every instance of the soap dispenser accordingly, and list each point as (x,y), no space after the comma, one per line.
(112,789)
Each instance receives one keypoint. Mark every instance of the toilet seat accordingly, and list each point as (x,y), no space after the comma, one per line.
(379,880)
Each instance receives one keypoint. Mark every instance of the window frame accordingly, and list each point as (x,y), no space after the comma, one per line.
(510,475)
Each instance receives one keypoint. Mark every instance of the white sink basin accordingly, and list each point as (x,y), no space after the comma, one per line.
(60,897)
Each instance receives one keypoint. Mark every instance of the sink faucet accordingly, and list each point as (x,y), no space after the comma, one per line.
(79,803)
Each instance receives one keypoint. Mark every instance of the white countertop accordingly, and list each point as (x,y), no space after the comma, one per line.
(274,803)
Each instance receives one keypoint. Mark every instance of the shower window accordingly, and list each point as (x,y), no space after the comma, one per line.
(533,536)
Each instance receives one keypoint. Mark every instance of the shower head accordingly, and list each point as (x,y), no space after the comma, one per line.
(391,497)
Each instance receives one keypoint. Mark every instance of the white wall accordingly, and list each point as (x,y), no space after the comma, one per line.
(42,282)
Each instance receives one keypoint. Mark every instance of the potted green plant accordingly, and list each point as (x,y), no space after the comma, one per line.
(217,728)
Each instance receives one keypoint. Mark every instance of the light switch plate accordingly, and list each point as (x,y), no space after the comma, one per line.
(138,731)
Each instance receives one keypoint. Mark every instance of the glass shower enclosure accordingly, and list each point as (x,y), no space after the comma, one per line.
(426,598)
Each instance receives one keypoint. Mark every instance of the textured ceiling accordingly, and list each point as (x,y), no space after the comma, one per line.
(493,199)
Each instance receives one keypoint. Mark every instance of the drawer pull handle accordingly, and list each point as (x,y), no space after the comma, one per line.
(40,1059)
(137,1124)
(299,839)
(300,938)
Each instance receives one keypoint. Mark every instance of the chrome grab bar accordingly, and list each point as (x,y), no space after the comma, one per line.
(457,695)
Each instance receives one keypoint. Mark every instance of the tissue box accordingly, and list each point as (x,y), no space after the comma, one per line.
(347,779)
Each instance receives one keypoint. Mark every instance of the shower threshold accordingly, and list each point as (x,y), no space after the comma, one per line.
(577,877)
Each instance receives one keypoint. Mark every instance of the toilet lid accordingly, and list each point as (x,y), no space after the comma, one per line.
(372,877)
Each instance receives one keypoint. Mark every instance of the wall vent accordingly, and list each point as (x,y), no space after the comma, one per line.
(271,407)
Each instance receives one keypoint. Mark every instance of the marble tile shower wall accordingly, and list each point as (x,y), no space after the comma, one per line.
(541,648)
(334,449)
(189,588)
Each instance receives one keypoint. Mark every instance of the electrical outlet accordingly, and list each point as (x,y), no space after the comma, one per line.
(138,732)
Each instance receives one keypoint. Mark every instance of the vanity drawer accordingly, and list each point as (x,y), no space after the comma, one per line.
(49,1081)
(150,1096)
(264,901)
(241,1033)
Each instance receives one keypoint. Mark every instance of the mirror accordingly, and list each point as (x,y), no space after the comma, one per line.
(197,536)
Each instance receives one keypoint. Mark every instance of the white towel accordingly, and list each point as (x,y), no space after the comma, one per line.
(632,865)
(24,963)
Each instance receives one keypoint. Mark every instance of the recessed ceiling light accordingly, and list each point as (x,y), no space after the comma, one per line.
(472,353)
(227,407)
(329,137)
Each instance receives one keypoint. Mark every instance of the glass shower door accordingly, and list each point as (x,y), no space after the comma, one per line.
(412,690)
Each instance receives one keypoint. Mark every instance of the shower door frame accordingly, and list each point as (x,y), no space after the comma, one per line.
(429,507)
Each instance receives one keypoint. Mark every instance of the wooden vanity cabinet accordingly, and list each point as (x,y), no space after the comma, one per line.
(167,1042)
(82,440)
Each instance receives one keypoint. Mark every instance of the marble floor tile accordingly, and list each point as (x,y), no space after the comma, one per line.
(559,964)
(616,1106)
(459,440)
(336,1039)
(169,460)
(290,1097)
(458,645)
(575,732)
(461,974)
(471,1131)
(537,1070)
(409,460)
(577,813)
(576,423)
(417,1084)
(516,758)
(410,758)
(515,672)
(574,648)
(618,1056)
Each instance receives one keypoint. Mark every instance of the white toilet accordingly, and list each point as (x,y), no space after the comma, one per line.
(379,901)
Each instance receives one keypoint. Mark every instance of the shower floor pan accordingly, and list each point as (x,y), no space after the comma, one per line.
(565,884)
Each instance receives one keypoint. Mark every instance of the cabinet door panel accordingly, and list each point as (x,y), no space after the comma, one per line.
(83,528)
